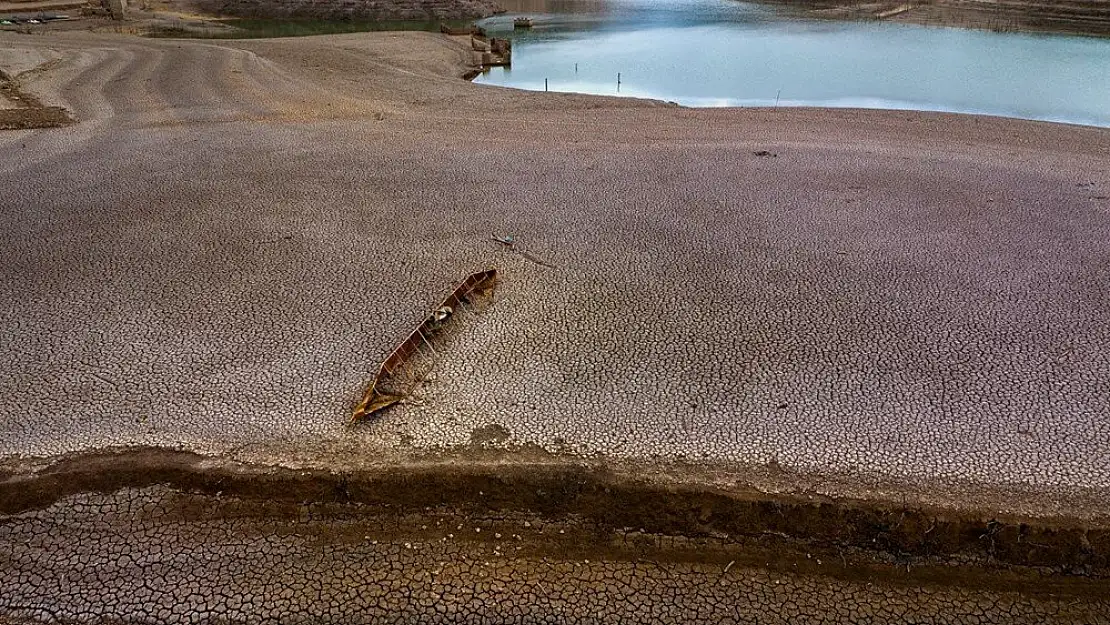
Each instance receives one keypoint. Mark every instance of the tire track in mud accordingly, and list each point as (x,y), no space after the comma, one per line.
(88,91)
(188,76)
(151,83)
(243,78)
(131,92)
(293,98)
(211,83)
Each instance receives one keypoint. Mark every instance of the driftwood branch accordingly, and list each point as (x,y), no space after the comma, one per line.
(510,243)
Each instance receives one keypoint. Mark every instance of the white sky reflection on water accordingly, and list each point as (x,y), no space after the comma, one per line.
(747,56)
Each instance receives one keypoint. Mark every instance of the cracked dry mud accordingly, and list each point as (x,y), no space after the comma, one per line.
(167,557)
(172,537)
(898,325)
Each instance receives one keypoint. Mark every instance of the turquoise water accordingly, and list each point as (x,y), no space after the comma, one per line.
(725,53)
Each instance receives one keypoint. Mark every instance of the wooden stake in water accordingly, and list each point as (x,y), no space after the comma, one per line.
(576,68)
(777,98)
(618,82)
(545,84)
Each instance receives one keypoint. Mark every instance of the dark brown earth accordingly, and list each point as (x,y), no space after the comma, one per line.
(468,542)
(1085,17)
(24,111)
(343,9)
(608,498)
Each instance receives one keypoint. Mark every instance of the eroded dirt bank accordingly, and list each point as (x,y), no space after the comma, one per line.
(170,536)
(346,9)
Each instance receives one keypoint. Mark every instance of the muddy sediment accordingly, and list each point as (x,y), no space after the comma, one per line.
(159,555)
(569,530)
(609,501)
(20,110)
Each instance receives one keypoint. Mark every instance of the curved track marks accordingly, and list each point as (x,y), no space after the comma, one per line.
(136,82)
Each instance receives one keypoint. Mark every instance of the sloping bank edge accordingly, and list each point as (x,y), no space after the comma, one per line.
(1037,556)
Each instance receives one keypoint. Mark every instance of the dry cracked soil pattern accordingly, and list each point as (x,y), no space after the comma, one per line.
(901,307)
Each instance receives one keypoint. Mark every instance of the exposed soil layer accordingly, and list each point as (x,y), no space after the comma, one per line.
(887,534)
(359,9)
(20,110)
(169,535)
(168,557)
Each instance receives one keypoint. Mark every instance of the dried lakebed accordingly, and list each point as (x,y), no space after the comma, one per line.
(905,387)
